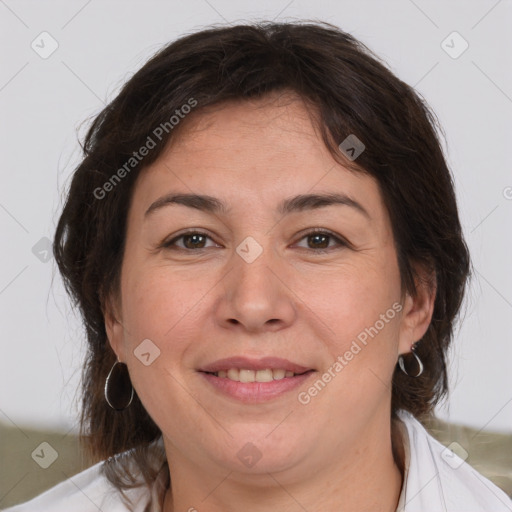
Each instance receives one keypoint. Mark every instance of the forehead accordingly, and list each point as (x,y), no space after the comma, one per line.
(251,152)
(284,116)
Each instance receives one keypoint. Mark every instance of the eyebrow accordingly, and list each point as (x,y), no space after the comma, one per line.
(290,205)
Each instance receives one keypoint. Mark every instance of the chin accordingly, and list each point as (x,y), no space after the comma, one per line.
(255,451)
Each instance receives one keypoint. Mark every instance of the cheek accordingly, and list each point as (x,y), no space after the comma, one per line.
(159,304)
(362,308)
(363,314)
(355,296)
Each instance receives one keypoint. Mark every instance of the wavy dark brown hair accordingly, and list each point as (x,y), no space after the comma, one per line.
(348,90)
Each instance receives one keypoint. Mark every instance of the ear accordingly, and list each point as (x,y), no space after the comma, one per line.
(114,326)
(417,310)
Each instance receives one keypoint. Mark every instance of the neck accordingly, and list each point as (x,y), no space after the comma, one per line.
(372,480)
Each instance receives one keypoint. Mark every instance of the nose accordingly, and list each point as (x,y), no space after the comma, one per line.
(256,297)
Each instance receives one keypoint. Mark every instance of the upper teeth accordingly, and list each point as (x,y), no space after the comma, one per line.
(243,375)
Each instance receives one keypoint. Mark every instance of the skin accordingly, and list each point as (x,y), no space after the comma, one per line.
(200,305)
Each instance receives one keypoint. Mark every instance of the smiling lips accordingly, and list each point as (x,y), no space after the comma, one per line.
(245,375)
(245,363)
(255,380)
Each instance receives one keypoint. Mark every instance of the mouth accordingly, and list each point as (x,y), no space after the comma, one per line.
(254,380)
(247,375)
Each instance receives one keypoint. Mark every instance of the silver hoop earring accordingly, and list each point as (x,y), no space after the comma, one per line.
(418,360)
(118,387)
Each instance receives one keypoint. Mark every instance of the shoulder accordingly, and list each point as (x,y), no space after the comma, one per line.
(88,491)
(438,479)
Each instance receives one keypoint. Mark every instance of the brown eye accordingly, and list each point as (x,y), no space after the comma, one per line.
(319,241)
(191,240)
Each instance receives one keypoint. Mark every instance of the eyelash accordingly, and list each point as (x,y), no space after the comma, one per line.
(341,242)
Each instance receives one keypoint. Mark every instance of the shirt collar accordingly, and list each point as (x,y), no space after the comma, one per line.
(407,462)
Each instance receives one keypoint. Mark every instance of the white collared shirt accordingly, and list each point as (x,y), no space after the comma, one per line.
(435,480)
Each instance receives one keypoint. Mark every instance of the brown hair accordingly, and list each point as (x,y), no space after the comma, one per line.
(351,92)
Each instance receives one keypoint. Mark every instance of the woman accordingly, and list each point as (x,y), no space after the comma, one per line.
(264,243)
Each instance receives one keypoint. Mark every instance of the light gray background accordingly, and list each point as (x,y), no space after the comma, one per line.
(101,43)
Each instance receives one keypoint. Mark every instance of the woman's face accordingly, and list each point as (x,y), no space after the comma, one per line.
(253,282)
